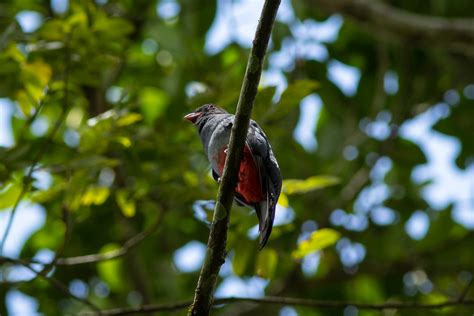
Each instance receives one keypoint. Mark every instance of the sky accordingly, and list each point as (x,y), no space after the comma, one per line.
(311,37)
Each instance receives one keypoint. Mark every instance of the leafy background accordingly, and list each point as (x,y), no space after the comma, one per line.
(371,133)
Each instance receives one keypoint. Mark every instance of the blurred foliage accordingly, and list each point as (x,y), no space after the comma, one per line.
(123,156)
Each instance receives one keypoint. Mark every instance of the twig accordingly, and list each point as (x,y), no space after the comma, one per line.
(455,33)
(276,300)
(97,257)
(29,176)
(67,236)
(463,294)
(55,282)
(127,246)
(33,117)
(215,254)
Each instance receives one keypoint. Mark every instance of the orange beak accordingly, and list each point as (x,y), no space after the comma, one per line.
(192,117)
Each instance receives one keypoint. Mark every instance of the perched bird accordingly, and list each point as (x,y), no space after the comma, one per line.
(259,179)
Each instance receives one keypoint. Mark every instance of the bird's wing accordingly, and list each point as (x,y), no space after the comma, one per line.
(270,179)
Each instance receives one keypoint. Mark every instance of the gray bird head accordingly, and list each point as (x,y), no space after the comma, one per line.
(203,112)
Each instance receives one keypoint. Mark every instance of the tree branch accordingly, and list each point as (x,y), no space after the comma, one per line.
(127,246)
(457,33)
(275,300)
(462,296)
(215,254)
(55,282)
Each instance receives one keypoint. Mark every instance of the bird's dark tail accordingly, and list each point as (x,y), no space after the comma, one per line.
(266,213)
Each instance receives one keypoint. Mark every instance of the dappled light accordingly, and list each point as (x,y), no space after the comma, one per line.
(107,197)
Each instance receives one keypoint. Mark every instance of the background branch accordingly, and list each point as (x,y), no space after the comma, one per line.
(274,300)
(53,281)
(215,254)
(127,246)
(456,33)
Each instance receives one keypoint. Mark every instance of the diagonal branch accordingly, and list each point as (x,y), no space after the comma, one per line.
(462,296)
(53,281)
(215,254)
(127,246)
(456,33)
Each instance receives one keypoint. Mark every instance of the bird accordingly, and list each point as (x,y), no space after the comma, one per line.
(259,178)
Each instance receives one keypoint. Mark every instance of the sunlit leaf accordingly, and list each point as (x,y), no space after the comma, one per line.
(95,195)
(292,186)
(25,103)
(434,298)
(105,25)
(111,271)
(126,205)
(283,200)
(124,141)
(39,72)
(129,119)
(318,240)
(9,194)
(14,52)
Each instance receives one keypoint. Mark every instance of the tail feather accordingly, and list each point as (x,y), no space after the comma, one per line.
(266,213)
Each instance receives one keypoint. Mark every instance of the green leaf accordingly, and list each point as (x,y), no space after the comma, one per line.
(14,53)
(291,97)
(283,200)
(9,194)
(267,261)
(95,195)
(126,205)
(292,186)
(35,77)
(111,271)
(129,119)
(318,240)
(153,103)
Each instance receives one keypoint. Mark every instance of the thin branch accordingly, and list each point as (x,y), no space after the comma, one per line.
(275,300)
(462,296)
(97,257)
(29,176)
(47,267)
(55,282)
(215,254)
(33,117)
(456,33)
(127,246)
